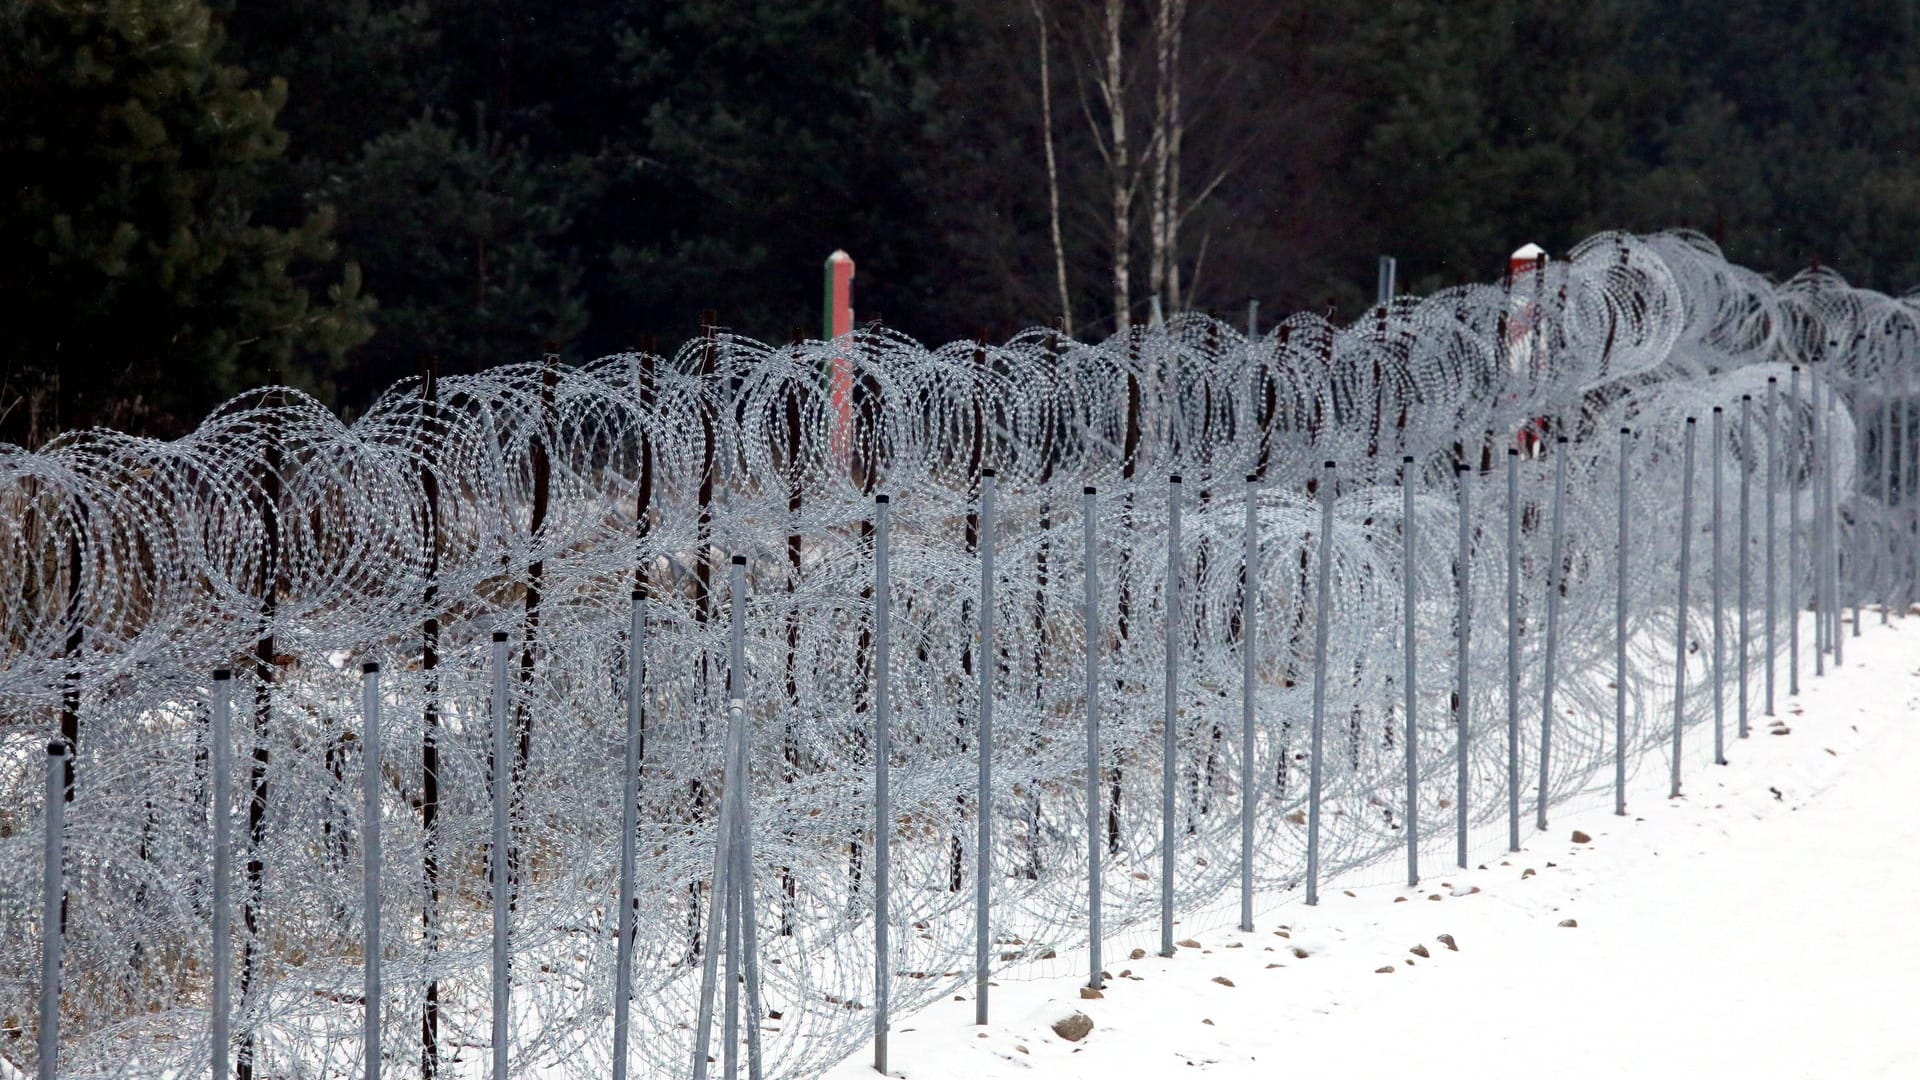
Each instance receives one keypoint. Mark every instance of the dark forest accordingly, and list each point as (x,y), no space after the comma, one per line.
(207,196)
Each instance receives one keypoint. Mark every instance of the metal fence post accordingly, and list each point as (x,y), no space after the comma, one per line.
(1853,494)
(1719,622)
(736,678)
(983,800)
(370,860)
(53,887)
(716,917)
(1909,481)
(1890,550)
(1463,659)
(1620,635)
(740,884)
(1744,563)
(1323,598)
(1819,534)
(882,776)
(1408,635)
(629,823)
(1680,608)
(1173,611)
(1513,648)
(1249,620)
(1090,624)
(220,764)
(502,775)
(1793,547)
(1772,530)
(1835,602)
(1555,581)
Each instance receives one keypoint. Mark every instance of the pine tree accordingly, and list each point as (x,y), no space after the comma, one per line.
(465,239)
(142,289)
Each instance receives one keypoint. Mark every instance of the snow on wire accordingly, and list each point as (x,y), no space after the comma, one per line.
(538,500)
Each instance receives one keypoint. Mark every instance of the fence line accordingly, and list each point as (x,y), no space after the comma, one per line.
(908,715)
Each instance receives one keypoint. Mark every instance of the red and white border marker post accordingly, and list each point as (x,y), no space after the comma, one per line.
(1526,277)
(839,321)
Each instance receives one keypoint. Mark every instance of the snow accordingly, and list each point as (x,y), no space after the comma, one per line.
(1760,926)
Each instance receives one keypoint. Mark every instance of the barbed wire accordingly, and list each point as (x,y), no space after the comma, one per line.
(290,547)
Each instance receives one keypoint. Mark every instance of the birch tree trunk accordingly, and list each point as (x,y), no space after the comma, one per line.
(1173,16)
(1053,173)
(1158,214)
(1113,89)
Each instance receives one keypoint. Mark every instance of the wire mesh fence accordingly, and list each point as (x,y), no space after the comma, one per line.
(1195,611)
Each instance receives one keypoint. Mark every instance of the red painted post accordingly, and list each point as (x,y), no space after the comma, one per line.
(1526,278)
(839,321)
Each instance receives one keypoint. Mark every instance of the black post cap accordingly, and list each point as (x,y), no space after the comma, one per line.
(370,668)
(739,560)
(1088,490)
(882,499)
(221,674)
(57,748)
(499,635)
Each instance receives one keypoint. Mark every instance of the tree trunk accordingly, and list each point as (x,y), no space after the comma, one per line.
(1113,89)
(1053,173)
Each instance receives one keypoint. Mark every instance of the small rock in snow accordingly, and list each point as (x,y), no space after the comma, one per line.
(1447,940)
(1581,838)
(1223,980)
(1568,922)
(1419,950)
(1088,993)
(1188,943)
(1072,1027)
(1387,970)
(1137,954)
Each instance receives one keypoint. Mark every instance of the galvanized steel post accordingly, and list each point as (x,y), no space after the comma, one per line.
(1555,579)
(882,776)
(1681,606)
(1323,593)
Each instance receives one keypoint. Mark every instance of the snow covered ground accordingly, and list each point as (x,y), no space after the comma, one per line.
(1763,925)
